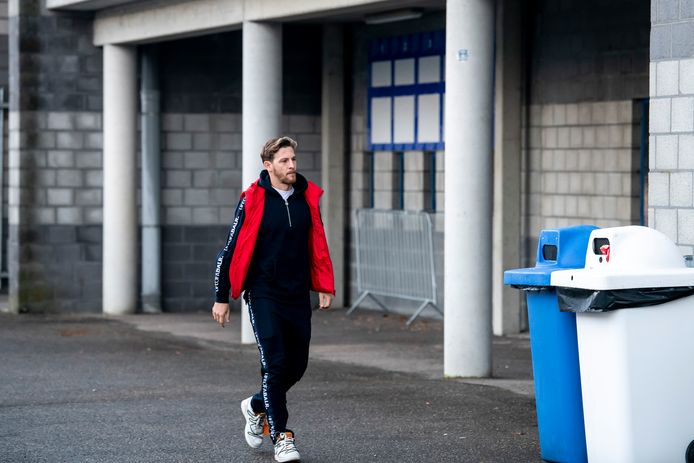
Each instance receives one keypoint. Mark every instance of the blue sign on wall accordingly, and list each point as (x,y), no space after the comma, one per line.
(406,92)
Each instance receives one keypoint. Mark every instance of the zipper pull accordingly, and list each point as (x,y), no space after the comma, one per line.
(289,216)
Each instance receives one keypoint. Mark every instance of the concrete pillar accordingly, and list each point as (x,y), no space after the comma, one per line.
(262,107)
(468,188)
(333,153)
(120,188)
(151,182)
(507,165)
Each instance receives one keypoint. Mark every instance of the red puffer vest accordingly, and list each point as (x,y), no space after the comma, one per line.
(321,265)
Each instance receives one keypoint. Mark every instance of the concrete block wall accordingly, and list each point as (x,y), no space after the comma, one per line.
(55,157)
(4,81)
(54,161)
(203,74)
(588,50)
(413,169)
(4,47)
(671,86)
(66,189)
(386,171)
(360,166)
(55,210)
(4,50)
(417,185)
(201,143)
(583,166)
(588,70)
(201,163)
(201,184)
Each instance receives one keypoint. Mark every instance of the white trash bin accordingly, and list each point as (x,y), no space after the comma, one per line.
(636,361)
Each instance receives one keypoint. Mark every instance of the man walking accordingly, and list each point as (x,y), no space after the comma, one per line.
(276,253)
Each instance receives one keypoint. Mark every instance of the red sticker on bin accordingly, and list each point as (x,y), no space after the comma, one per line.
(605,250)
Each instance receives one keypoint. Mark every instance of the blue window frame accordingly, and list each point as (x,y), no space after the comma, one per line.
(406,92)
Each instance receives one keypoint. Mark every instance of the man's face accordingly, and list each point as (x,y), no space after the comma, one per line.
(283,166)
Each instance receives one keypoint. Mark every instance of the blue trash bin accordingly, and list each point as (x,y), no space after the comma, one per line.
(554,345)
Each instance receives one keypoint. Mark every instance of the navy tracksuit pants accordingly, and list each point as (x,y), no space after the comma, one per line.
(283,333)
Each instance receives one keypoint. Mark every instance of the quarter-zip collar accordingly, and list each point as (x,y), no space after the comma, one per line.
(299,186)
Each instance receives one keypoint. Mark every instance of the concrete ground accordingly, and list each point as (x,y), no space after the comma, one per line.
(166,388)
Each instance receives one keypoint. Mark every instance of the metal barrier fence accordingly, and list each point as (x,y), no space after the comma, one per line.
(395,258)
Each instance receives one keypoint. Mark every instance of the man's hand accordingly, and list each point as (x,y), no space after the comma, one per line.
(220,313)
(324,300)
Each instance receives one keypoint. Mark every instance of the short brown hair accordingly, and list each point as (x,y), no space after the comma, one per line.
(273,145)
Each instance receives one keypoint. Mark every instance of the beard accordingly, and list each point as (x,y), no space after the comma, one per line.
(289,179)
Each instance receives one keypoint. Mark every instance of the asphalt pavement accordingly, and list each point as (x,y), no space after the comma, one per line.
(167,388)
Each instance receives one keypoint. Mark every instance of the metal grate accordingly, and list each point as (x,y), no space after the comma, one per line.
(395,258)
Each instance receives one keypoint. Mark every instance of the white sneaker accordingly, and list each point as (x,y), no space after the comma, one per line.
(253,431)
(285,450)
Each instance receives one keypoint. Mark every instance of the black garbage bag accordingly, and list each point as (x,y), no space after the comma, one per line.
(530,288)
(588,300)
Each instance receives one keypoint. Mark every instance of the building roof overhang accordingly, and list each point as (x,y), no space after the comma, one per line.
(142,21)
(85,5)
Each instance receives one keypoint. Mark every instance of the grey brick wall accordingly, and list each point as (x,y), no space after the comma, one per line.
(588,67)
(360,166)
(201,164)
(188,258)
(672,27)
(582,167)
(55,67)
(201,172)
(671,152)
(590,50)
(65,165)
(671,205)
(4,47)
(4,83)
(203,74)
(59,245)
(60,268)
(54,151)
(55,176)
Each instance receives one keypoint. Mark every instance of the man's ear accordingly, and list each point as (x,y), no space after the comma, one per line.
(267,165)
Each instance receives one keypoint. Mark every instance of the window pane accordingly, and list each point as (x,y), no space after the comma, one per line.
(404,120)
(381,74)
(428,119)
(429,69)
(380,120)
(404,71)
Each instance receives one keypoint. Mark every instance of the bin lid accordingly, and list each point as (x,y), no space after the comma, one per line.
(628,257)
(532,276)
(557,248)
